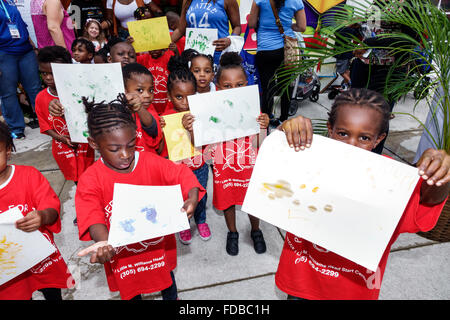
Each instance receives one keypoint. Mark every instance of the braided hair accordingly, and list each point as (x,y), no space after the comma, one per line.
(230,60)
(179,72)
(5,136)
(105,117)
(364,98)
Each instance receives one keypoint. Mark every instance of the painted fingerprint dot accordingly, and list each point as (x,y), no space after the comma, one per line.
(302,186)
(312,208)
(296,202)
(314,190)
(271,196)
(328,208)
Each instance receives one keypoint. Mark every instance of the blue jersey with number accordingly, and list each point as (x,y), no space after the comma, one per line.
(207,14)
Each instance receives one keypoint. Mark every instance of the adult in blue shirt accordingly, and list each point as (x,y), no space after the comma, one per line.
(211,14)
(270,50)
(18,64)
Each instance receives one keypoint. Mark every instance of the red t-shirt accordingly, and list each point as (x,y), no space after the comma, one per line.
(308,271)
(158,68)
(145,142)
(233,163)
(29,190)
(71,162)
(93,203)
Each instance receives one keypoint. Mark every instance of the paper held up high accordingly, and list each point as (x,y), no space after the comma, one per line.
(335,195)
(201,40)
(225,115)
(145,212)
(19,250)
(102,82)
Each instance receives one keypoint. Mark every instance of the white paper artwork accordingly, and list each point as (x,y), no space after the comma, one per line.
(338,196)
(201,39)
(225,115)
(102,82)
(145,212)
(19,250)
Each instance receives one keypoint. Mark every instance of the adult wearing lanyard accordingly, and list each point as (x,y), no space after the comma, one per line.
(213,14)
(18,64)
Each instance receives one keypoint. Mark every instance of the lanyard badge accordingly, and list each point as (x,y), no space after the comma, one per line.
(13,29)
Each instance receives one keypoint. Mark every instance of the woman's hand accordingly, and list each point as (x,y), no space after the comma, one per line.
(434,167)
(299,132)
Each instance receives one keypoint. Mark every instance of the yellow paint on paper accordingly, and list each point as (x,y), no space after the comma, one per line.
(150,34)
(8,254)
(177,138)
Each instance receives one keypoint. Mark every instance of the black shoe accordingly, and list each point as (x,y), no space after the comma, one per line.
(18,136)
(274,122)
(258,241)
(75,222)
(232,243)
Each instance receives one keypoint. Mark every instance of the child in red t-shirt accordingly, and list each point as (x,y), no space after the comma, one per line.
(233,161)
(139,81)
(112,131)
(72,158)
(359,117)
(26,188)
(156,62)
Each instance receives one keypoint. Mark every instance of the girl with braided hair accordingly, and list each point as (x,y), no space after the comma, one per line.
(358,117)
(112,131)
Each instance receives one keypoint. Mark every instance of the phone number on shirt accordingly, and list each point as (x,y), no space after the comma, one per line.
(324,271)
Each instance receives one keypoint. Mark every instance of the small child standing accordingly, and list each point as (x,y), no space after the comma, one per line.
(156,62)
(72,158)
(358,117)
(93,32)
(112,124)
(26,188)
(83,51)
(139,81)
(230,164)
(181,84)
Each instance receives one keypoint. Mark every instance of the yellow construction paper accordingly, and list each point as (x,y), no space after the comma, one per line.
(177,138)
(323,5)
(150,34)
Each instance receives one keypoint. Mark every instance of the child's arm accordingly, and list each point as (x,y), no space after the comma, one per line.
(101,251)
(136,106)
(36,219)
(190,204)
(188,121)
(434,167)
(174,48)
(299,132)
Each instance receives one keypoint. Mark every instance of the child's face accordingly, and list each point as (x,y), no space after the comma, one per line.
(80,54)
(93,30)
(5,153)
(203,72)
(117,148)
(231,78)
(142,84)
(358,126)
(155,54)
(47,76)
(122,52)
(178,95)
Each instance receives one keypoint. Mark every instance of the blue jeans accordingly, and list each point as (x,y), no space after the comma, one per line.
(202,177)
(17,69)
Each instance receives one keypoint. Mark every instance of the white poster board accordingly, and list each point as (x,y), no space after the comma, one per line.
(335,195)
(225,115)
(145,212)
(102,82)
(19,250)
(201,39)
